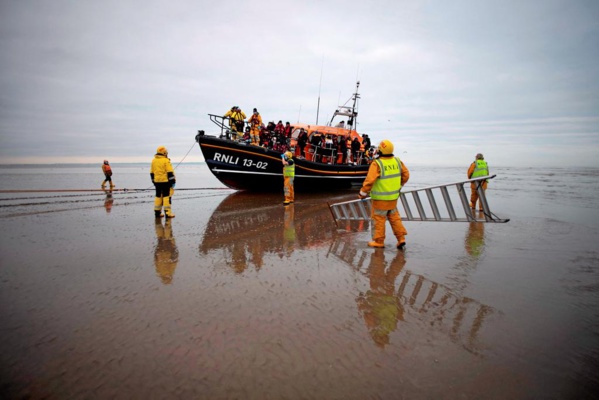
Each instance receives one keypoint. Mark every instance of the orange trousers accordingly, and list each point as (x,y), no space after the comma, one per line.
(474,194)
(288,189)
(380,217)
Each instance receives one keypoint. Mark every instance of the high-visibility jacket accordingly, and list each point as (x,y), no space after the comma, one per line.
(289,170)
(480,169)
(162,170)
(388,184)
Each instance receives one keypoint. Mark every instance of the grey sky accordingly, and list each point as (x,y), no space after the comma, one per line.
(514,79)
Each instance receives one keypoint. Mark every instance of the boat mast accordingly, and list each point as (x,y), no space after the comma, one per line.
(354,114)
(349,112)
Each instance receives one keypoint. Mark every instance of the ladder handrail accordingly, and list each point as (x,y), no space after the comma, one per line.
(428,187)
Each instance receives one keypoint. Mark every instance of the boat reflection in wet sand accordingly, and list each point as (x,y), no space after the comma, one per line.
(249,225)
(244,166)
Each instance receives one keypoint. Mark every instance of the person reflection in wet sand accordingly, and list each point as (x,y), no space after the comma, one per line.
(108,201)
(238,257)
(289,230)
(380,306)
(166,255)
(475,239)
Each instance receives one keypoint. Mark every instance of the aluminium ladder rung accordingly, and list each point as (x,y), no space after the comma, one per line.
(361,209)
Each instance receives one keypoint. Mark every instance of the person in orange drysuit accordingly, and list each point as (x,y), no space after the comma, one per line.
(477,169)
(384,180)
(255,122)
(107,174)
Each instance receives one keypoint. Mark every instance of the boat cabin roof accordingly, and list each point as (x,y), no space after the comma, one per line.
(325,130)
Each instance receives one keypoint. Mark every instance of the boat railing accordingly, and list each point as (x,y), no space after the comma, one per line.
(223,123)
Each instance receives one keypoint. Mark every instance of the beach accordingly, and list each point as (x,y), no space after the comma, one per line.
(240,297)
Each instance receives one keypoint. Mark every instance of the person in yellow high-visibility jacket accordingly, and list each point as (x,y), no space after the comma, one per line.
(385,177)
(478,168)
(236,118)
(163,178)
(288,176)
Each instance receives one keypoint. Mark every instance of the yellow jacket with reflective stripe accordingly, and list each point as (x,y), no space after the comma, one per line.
(161,169)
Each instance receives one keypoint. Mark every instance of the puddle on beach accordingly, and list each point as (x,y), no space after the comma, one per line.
(240,297)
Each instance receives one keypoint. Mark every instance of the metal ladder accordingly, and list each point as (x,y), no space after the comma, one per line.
(427,211)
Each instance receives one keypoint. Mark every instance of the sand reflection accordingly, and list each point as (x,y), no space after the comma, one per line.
(166,255)
(396,295)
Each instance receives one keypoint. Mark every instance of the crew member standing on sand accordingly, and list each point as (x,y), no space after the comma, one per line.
(384,179)
(107,174)
(163,178)
(478,168)
(288,175)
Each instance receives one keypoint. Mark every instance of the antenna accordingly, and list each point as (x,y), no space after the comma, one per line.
(299,113)
(319,86)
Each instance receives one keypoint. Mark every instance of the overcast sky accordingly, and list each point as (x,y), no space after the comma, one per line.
(518,80)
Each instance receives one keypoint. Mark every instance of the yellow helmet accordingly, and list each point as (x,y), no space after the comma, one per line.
(385,147)
(162,150)
(288,154)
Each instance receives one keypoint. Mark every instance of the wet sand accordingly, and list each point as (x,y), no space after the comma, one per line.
(239,297)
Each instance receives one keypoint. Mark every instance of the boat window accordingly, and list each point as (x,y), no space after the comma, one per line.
(295,133)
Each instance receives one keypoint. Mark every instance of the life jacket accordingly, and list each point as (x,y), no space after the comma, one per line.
(480,169)
(107,170)
(388,184)
(255,120)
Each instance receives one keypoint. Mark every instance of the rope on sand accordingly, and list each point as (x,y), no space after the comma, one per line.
(99,190)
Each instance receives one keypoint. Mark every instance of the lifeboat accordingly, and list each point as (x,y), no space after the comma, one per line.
(322,166)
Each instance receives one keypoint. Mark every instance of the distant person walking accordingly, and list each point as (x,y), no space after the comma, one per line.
(385,177)
(477,169)
(107,175)
(288,176)
(163,178)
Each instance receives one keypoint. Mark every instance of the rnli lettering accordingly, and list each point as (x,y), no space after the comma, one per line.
(391,168)
(245,162)
(229,159)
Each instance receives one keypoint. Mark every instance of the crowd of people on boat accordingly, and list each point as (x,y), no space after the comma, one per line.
(324,148)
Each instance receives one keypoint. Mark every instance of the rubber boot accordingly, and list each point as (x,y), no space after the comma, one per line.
(158,207)
(103,185)
(401,243)
(398,229)
(166,203)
